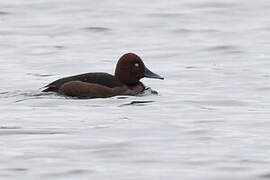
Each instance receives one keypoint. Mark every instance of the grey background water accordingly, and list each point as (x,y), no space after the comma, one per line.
(209,121)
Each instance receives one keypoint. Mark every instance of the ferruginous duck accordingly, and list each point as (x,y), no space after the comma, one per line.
(126,81)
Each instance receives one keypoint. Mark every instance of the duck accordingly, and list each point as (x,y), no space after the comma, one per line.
(129,70)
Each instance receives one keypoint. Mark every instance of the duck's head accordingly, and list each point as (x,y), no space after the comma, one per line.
(130,69)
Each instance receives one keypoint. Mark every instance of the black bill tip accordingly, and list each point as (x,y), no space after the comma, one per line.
(150,74)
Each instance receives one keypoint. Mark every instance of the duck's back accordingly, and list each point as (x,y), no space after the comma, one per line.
(104,79)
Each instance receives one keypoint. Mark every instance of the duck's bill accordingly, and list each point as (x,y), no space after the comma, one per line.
(150,74)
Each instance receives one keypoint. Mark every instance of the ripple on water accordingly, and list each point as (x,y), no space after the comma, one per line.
(40,75)
(17,169)
(20,131)
(233,168)
(10,127)
(136,103)
(30,95)
(8,94)
(213,5)
(4,92)
(59,47)
(266,176)
(187,31)
(167,15)
(69,173)
(208,121)
(2,13)
(97,29)
(265,88)
(225,48)
(227,103)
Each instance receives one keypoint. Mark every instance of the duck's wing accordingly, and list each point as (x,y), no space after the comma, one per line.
(104,79)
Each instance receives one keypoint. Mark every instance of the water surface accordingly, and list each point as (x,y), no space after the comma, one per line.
(209,121)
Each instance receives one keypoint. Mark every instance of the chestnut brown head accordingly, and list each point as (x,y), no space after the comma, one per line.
(130,69)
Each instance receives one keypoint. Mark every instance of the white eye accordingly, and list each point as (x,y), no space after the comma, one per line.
(136,64)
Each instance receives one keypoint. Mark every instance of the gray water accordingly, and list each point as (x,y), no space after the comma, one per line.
(210,120)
